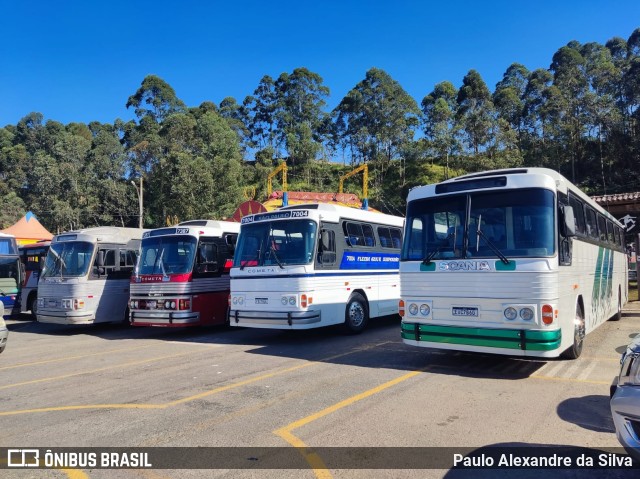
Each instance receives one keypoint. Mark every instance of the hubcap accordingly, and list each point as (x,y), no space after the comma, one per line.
(356,313)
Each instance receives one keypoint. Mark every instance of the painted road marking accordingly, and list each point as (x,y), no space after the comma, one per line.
(315,461)
(189,398)
(69,358)
(106,368)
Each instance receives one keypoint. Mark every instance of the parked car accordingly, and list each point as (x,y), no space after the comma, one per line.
(4,332)
(625,400)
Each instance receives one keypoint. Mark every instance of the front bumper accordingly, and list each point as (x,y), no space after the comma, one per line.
(168,318)
(66,317)
(516,339)
(274,319)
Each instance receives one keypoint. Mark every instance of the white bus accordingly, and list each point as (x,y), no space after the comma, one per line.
(516,262)
(307,266)
(182,276)
(86,276)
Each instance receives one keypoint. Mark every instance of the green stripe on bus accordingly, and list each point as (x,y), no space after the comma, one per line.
(494,338)
(427,267)
(500,266)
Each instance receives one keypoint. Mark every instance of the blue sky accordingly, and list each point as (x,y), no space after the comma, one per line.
(80,60)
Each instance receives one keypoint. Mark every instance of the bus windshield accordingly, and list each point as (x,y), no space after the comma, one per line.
(277,243)
(69,258)
(9,274)
(515,223)
(8,246)
(167,255)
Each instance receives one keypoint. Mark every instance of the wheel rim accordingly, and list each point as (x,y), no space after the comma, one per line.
(356,313)
(578,336)
(34,306)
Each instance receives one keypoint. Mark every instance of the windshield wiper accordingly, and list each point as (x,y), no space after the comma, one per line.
(62,265)
(275,255)
(427,260)
(493,247)
(159,262)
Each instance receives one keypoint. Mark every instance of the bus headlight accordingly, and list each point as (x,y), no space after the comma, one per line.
(425,309)
(291,300)
(413,309)
(40,302)
(526,314)
(237,300)
(510,313)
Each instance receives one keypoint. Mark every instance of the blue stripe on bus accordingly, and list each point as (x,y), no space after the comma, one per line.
(311,275)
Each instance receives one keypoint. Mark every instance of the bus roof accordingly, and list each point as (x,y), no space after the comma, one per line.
(334,213)
(101,234)
(197,228)
(516,178)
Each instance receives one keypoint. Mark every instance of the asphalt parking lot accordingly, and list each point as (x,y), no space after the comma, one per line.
(120,386)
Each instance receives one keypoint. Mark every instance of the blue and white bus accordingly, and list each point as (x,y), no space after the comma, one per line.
(314,265)
(517,262)
(11,275)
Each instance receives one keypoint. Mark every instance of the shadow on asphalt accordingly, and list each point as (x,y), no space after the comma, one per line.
(379,346)
(589,412)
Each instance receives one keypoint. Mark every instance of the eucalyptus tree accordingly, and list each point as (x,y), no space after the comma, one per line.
(535,115)
(113,200)
(439,121)
(509,94)
(300,113)
(476,112)
(155,99)
(238,118)
(261,110)
(376,120)
(569,76)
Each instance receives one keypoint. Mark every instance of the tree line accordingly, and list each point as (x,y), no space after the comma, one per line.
(580,116)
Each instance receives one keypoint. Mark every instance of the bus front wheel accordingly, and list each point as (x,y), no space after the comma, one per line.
(356,314)
(578,336)
(32,304)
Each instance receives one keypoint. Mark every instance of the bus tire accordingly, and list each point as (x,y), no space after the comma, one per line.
(618,315)
(32,304)
(575,350)
(356,314)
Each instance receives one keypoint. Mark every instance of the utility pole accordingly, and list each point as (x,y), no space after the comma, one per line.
(141,210)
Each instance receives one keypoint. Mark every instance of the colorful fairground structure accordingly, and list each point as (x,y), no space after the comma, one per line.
(279,198)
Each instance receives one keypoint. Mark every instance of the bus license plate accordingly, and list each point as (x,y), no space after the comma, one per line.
(262,300)
(465,311)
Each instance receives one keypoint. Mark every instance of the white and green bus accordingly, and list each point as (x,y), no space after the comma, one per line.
(516,261)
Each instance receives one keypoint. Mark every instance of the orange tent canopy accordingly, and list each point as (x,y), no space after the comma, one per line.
(28,230)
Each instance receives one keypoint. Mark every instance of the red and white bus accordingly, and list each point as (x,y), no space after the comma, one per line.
(182,275)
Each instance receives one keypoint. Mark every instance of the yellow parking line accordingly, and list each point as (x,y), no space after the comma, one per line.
(133,363)
(183,400)
(69,358)
(315,461)
(573,380)
(75,474)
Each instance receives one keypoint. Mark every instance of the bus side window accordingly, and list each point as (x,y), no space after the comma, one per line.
(369,240)
(327,249)
(207,258)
